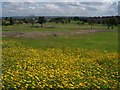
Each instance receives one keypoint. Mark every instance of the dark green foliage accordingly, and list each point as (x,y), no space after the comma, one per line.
(25,20)
(91,22)
(61,20)
(42,20)
(11,21)
(76,18)
(7,21)
(111,22)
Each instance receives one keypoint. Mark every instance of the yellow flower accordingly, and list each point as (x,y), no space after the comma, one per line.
(41,68)
(50,86)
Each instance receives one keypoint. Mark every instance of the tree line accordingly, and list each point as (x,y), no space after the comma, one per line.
(110,21)
(11,20)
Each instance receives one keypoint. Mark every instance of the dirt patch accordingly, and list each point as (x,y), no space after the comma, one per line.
(37,34)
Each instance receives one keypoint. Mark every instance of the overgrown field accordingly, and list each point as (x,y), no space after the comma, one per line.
(85,61)
(26,67)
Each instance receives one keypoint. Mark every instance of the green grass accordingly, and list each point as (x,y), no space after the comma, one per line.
(56,27)
(104,41)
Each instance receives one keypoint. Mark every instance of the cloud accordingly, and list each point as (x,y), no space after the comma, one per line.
(60,1)
(59,8)
(31,7)
(51,6)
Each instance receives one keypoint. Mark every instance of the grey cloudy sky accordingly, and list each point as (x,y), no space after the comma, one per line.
(59,8)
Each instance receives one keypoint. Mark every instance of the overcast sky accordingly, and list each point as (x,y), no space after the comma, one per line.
(59,7)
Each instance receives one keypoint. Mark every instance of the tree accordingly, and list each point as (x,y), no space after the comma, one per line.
(76,18)
(3,22)
(111,22)
(25,20)
(42,20)
(11,21)
(91,22)
(32,20)
(6,19)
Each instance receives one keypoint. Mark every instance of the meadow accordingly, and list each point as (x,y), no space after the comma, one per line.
(51,26)
(77,61)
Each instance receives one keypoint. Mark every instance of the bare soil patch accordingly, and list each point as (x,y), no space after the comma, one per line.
(37,34)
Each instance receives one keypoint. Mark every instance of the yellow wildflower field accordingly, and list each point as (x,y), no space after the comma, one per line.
(25,68)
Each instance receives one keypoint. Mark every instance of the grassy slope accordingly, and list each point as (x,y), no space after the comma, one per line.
(100,41)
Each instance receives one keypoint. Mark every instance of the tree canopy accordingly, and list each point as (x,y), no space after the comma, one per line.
(42,20)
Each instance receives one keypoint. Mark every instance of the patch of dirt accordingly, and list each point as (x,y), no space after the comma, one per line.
(37,34)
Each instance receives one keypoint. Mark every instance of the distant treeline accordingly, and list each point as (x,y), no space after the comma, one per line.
(110,21)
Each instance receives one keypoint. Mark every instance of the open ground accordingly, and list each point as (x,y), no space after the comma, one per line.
(59,56)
